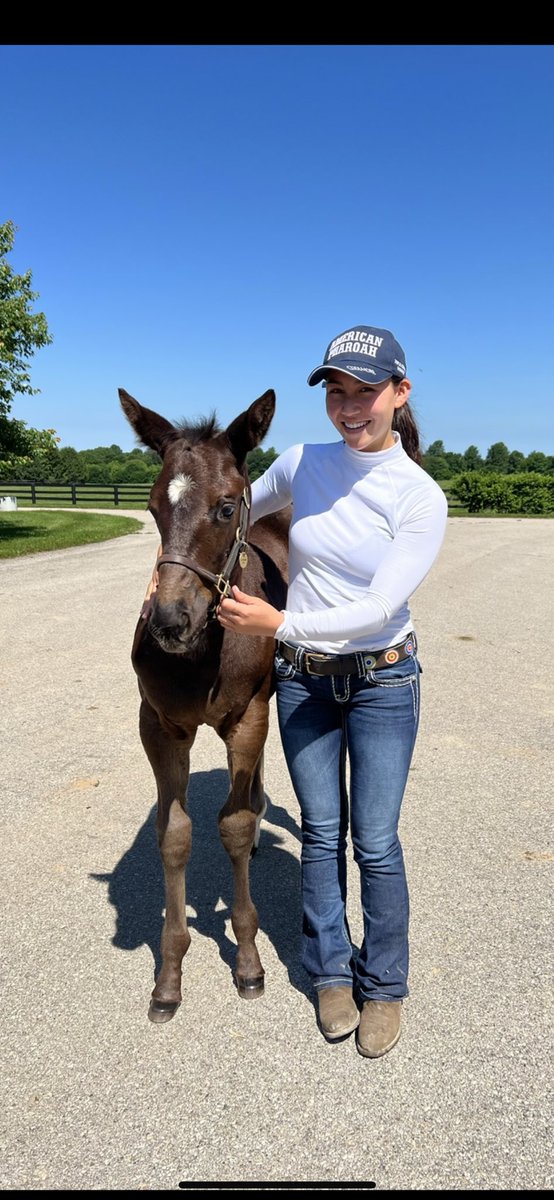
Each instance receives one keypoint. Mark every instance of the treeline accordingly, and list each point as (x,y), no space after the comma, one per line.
(444,464)
(46,462)
(36,455)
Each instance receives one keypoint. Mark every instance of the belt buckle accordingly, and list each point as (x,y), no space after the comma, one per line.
(317,657)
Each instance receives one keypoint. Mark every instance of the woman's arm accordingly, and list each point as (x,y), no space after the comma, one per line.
(404,566)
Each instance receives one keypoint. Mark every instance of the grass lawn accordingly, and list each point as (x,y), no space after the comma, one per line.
(28,532)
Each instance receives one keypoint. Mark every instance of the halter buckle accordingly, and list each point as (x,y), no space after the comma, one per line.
(223,587)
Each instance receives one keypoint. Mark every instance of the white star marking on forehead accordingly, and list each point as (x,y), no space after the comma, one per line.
(179,487)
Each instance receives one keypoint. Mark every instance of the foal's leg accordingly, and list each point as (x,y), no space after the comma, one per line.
(239,821)
(258,802)
(169,758)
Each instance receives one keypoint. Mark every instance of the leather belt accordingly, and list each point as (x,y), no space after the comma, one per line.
(348,664)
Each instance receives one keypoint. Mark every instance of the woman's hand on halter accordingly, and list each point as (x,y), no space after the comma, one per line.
(248,614)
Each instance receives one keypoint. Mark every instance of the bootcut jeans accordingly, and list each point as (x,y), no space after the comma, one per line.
(368,722)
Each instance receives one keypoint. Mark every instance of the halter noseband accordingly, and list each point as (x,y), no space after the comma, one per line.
(221,582)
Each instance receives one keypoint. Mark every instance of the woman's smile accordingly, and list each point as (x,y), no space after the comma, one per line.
(378,401)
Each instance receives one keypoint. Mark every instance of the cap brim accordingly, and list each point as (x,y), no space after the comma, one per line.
(365,375)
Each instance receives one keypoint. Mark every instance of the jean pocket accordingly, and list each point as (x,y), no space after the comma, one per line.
(399,675)
(283,669)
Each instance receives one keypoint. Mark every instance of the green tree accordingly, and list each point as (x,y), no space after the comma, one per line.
(70,467)
(435,461)
(436,466)
(134,470)
(259,460)
(103,454)
(472,459)
(516,462)
(22,331)
(498,457)
(15,439)
(24,451)
(436,449)
(455,462)
(537,461)
(97,473)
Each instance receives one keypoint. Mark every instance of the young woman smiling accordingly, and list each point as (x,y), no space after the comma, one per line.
(367,525)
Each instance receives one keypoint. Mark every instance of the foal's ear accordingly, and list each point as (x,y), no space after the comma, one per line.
(153,430)
(248,430)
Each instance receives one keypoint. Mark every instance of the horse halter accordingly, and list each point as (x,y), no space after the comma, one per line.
(221,582)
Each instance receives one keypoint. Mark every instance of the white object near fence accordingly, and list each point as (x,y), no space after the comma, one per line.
(8,503)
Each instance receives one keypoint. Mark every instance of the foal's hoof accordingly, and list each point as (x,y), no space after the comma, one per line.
(250,989)
(160,1012)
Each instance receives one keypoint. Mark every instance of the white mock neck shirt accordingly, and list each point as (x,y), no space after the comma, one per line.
(365,531)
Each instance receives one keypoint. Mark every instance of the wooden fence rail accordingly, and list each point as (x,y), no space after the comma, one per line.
(116,494)
(76,493)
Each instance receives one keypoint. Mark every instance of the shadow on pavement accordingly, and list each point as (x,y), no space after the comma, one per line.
(136,886)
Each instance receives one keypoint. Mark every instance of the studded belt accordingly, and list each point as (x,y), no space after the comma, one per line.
(348,664)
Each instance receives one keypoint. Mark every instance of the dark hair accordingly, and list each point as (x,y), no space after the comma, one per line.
(405,424)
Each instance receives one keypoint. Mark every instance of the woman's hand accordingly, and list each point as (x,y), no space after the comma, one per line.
(152,586)
(154,579)
(248,614)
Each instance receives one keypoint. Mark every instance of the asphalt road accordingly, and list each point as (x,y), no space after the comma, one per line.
(243,1092)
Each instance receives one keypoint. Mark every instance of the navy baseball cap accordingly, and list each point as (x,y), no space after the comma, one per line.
(369,354)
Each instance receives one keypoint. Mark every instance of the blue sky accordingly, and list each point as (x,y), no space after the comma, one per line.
(200,221)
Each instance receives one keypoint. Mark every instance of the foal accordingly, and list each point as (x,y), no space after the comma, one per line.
(190,672)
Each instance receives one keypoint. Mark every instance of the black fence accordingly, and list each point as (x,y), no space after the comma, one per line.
(135,495)
(30,492)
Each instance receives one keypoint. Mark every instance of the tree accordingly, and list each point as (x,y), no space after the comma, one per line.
(21,331)
(472,459)
(259,460)
(70,467)
(435,461)
(455,462)
(497,457)
(15,439)
(516,462)
(134,470)
(25,452)
(436,465)
(537,461)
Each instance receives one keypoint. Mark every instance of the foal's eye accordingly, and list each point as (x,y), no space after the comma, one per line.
(226,511)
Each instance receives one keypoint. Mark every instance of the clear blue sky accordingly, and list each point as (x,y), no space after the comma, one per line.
(201,220)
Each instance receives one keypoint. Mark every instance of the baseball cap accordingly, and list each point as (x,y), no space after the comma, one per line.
(364,351)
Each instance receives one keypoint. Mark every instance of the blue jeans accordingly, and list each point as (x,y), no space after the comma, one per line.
(371,722)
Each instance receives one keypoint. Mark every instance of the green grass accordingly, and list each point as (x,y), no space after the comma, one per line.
(83,503)
(29,532)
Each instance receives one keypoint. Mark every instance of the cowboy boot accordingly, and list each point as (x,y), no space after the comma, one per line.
(379,1028)
(338,1014)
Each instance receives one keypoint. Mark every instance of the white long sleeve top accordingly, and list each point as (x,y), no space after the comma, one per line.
(365,531)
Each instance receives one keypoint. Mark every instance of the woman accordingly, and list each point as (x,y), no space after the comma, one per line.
(367,525)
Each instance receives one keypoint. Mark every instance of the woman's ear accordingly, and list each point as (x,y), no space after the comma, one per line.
(402,393)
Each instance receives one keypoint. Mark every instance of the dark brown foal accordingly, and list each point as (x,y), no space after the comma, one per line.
(190,672)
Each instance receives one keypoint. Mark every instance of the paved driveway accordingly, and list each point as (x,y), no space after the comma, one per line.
(94,1095)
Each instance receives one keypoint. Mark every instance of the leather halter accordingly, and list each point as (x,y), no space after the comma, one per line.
(221,582)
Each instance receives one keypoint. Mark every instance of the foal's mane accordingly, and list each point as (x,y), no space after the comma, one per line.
(197,431)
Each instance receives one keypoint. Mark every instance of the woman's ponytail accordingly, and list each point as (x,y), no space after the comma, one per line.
(405,424)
